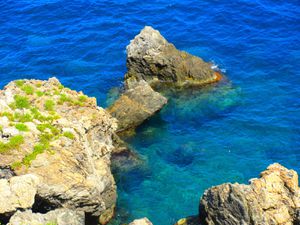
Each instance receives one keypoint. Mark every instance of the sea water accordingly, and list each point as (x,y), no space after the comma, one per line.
(223,133)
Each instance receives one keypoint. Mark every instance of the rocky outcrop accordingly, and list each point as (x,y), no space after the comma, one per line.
(55,217)
(136,105)
(274,198)
(143,221)
(152,58)
(17,193)
(62,137)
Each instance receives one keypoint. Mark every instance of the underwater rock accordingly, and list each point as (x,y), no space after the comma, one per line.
(17,192)
(63,138)
(143,221)
(152,58)
(57,217)
(274,198)
(136,105)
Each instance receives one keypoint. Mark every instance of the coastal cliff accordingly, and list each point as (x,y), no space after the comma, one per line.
(64,141)
(273,198)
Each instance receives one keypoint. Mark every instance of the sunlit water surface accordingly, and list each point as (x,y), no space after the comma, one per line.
(226,133)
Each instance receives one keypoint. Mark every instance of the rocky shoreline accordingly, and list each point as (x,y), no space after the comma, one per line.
(58,148)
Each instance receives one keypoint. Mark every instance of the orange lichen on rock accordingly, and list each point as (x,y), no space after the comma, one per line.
(218,76)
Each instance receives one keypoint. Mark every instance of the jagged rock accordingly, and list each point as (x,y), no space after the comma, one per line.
(57,217)
(272,199)
(17,192)
(135,105)
(143,221)
(62,137)
(152,58)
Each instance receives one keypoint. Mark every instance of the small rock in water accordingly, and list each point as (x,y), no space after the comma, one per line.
(152,58)
(143,221)
(136,105)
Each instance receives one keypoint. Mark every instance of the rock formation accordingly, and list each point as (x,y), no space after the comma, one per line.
(17,193)
(152,58)
(55,217)
(136,105)
(143,221)
(274,198)
(62,137)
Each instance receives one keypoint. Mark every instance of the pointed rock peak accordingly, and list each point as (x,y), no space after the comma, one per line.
(147,39)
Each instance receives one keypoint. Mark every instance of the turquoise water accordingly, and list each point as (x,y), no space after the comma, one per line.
(224,133)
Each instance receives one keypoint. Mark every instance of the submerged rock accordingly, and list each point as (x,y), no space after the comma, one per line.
(17,192)
(62,137)
(143,221)
(57,217)
(136,105)
(274,198)
(152,58)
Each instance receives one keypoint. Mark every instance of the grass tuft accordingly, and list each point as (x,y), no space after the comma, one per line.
(69,135)
(21,102)
(22,127)
(19,83)
(29,90)
(13,143)
(49,105)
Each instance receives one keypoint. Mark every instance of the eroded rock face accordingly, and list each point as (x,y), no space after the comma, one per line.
(17,192)
(143,221)
(136,105)
(63,138)
(57,217)
(274,198)
(152,58)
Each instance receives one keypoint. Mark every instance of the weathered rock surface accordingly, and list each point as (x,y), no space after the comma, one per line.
(57,217)
(143,221)
(272,199)
(17,193)
(152,58)
(63,138)
(135,105)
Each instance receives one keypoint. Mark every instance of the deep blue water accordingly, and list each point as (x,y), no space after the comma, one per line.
(227,133)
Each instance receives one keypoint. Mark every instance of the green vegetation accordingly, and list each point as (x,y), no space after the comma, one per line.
(13,143)
(40,93)
(23,117)
(9,115)
(21,102)
(29,90)
(69,135)
(64,98)
(49,105)
(1,128)
(38,85)
(19,83)
(22,127)
(38,116)
(38,149)
(60,87)
(44,126)
(82,98)
(56,92)
(49,223)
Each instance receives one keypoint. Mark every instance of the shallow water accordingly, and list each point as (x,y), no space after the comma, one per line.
(226,133)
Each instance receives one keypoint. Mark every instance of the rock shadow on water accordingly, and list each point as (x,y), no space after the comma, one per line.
(182,156)
(194,106)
